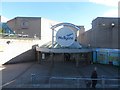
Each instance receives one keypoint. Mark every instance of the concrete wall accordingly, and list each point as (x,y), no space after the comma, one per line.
(79,34)
(23,57)
(102,34)
(46,31)
(17,51)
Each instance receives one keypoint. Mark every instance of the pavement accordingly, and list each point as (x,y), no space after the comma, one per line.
(57,74)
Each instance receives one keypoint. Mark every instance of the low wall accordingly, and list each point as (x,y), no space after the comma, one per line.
(24,57)
(17,51)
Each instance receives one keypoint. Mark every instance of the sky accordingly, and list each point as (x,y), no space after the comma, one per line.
(78,12)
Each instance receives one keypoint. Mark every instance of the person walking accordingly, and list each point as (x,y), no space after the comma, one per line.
(94,76)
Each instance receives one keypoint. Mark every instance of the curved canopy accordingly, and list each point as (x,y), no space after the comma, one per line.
(75,45)
(54,47)
(74,48)
(53,50)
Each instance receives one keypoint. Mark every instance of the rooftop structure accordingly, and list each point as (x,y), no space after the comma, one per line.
(103,34)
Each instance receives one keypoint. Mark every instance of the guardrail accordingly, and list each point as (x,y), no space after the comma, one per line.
(76,82)
(84,82)
(35,81)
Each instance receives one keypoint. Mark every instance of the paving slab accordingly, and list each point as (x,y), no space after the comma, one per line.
(32,74)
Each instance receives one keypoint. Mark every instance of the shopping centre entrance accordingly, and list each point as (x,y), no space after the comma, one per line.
(65,45)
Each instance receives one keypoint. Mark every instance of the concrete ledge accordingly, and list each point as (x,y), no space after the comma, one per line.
(24,57)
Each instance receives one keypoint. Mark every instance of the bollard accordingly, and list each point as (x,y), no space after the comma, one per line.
(103,82)
(33,79)
(78,82)
(49,82)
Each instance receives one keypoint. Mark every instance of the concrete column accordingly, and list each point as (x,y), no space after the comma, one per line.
(38,57)
(52,57)
(63,57)
(77,61)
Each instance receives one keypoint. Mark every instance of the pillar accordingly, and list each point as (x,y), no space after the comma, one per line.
(52,57)
(77,60)
(38,57)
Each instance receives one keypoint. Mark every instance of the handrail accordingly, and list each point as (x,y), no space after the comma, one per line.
(102,79)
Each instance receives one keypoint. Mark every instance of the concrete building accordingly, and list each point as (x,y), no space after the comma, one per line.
(104,33)
(35,27)
(32,26)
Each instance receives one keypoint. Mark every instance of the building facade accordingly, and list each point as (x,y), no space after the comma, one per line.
(31,26)
(104,33)
(36,27)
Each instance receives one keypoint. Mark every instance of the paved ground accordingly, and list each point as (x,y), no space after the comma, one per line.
(33,74)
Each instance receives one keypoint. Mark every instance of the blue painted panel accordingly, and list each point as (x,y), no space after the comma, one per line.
(102,57)
(108,56)
(94,56)
(114,57)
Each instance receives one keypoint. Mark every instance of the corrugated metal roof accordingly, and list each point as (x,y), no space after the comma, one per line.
(62,50)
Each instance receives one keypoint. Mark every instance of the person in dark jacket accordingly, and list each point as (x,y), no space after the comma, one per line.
(94,76)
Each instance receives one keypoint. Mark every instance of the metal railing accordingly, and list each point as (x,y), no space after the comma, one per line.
(36,81)
(76,82)
(83,82)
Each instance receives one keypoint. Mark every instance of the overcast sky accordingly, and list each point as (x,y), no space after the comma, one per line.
(78,12)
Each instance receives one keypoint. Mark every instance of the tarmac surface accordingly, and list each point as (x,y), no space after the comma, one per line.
(53,74)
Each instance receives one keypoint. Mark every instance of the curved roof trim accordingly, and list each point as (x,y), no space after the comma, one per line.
(65,24)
